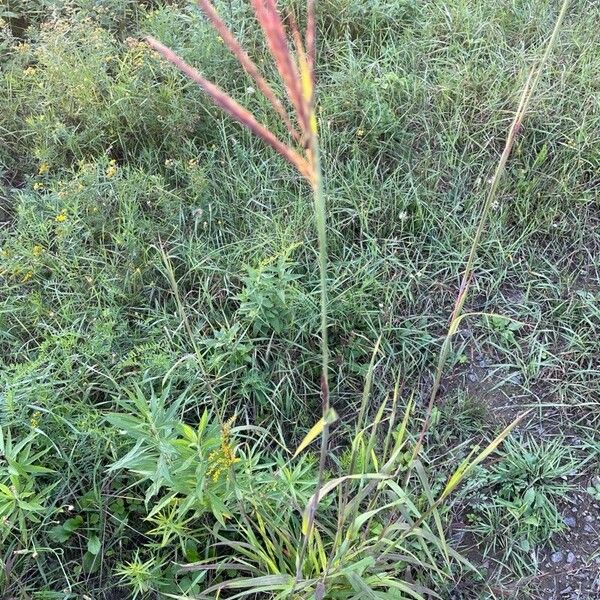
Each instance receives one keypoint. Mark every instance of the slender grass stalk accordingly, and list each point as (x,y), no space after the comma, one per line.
(515,127)
(321,223)
(297,72)
(170,272)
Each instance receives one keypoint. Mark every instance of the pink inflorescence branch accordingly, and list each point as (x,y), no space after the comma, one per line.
(296,70)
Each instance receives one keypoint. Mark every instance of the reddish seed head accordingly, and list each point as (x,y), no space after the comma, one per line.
(233,109)
(297,76)
(247,63)
(272,25)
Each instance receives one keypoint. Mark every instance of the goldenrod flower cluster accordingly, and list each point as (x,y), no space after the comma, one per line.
(35,419)
(222,459)
(27,276)
(112,168)
(137,51)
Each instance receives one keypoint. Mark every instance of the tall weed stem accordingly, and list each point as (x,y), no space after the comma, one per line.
(513,133)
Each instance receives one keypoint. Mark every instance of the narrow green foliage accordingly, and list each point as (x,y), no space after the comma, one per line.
(189,303)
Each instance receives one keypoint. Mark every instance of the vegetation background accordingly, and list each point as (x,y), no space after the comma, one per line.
(156,257)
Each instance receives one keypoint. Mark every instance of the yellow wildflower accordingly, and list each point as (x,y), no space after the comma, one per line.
(360,132)
(44,168)
(111,170)
(37,250)
(61,217)
(35,419)
(22,47)
(29,71)
(27,277)
(38,185)
(224,458)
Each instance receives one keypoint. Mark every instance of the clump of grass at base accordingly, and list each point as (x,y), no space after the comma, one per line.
(516,506)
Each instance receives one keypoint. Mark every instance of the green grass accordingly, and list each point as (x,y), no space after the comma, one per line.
(110,161)
(518,504)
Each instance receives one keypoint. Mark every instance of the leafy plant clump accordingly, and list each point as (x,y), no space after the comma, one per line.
(520,494)
(231,238)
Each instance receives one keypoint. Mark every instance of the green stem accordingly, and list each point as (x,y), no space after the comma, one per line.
(321,221)
(524,101)
(321,225)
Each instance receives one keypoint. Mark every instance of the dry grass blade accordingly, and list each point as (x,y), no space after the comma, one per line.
(316,430)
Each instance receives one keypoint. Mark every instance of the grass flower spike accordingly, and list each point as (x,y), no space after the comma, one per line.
(297,75)
(247,63)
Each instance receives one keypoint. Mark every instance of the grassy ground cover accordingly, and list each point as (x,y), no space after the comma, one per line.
(160,290)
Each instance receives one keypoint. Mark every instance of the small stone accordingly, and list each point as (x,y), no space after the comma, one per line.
(570,558)
(472,377)
(569,521)
(516,378)
(566,590)
(557,557)
(588,528)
